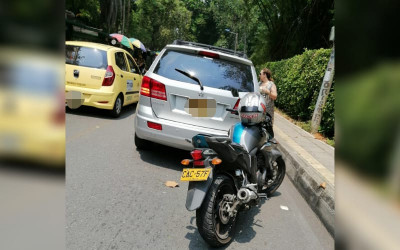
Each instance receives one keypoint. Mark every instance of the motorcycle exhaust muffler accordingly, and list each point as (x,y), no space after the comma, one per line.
(245,195)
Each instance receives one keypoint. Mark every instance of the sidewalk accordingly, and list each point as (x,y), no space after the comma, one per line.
(310,165)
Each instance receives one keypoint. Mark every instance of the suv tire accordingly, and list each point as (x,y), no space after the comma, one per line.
(142,144)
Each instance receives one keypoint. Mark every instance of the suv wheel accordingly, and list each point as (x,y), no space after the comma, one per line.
(116,112)
(142,144)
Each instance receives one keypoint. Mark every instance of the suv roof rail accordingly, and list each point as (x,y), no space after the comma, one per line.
(210,47)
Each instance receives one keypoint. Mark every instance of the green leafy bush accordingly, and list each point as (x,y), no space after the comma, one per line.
(298,80)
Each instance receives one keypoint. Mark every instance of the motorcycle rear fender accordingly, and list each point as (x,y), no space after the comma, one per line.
(197,190)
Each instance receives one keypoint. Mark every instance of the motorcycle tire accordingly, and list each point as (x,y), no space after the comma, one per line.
(272,187)
(216,230)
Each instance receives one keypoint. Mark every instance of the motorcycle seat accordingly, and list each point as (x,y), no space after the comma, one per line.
(221,139)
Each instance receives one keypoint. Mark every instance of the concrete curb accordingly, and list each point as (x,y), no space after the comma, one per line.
(307,181)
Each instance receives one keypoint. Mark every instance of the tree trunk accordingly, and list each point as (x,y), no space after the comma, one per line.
(123,17)
(114,15)
(110,16)
(128,15)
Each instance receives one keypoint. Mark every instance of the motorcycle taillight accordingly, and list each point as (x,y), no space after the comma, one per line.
(197,154)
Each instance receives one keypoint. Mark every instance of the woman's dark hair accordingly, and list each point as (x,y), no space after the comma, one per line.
(268,73)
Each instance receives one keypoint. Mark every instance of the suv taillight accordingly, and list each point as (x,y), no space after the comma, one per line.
(153,89)
(209,54)
(109,76)
(145,89)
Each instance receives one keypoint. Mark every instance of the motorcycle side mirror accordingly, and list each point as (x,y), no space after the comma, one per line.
(235,92)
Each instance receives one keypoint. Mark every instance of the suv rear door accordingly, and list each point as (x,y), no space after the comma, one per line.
(218,73)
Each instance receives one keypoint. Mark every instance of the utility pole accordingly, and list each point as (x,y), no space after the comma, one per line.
(325,87)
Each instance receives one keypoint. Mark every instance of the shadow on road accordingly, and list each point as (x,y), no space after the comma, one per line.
(245,225)
(276,194)
(102,113)
(193,235)
(21,166)
(164,156)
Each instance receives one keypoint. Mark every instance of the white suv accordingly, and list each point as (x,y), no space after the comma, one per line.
(168,112)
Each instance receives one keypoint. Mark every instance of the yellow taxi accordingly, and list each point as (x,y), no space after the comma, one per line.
(32,109)
(100,76)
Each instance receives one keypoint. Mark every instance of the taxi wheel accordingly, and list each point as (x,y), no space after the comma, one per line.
(116,112)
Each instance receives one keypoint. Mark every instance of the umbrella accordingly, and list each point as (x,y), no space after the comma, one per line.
(138,44)
(122,39)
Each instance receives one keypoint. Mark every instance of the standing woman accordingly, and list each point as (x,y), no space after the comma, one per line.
(268,90)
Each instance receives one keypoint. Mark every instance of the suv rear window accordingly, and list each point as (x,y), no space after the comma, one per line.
(86,57)
(214,73)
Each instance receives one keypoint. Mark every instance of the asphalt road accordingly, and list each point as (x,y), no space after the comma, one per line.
(116,197)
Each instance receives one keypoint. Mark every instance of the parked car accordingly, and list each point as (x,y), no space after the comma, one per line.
(32,109)
(170,84)
(104,77)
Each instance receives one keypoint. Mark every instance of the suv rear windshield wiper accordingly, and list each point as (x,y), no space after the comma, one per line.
(191,77)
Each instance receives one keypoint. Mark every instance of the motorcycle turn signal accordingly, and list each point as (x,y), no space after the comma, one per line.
(216,161)
(186,162)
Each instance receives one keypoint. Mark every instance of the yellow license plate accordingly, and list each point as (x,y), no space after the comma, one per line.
(195,174)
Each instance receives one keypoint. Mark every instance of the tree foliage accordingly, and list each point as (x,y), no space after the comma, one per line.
(298,81)
(157,23)
(112,16)
(290,26)
(268,30)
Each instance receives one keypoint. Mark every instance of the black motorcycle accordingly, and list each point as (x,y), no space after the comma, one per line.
(229,174)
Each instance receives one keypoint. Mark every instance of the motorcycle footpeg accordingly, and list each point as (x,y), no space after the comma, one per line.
(263,195)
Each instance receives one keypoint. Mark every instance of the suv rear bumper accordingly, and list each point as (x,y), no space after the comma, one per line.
(173,134)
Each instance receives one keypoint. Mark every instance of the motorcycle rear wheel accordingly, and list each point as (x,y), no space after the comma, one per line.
(214,225)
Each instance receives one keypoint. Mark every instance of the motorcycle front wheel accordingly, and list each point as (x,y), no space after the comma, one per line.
(213,221)
(274,179)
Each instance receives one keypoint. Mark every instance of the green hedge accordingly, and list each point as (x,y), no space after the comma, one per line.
(298,80)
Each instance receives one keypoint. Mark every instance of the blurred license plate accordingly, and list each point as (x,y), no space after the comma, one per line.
(195,174)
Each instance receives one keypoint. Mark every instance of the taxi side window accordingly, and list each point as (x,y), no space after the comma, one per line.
(132,65)
(120,61)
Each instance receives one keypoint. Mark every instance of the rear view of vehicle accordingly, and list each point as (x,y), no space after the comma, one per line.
(187,91)
(100,76)
(32,118)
